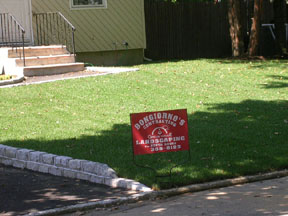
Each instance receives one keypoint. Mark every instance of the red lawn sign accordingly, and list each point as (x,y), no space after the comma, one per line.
(163,131)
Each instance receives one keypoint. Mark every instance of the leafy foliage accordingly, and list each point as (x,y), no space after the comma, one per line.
(5,77)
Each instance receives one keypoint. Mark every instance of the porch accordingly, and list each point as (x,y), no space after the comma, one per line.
(42,46)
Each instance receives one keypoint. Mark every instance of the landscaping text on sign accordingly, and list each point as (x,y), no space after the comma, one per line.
(163,131)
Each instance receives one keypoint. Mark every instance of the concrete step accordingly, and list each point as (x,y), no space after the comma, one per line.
(38,51)
(45,60)
(52,69)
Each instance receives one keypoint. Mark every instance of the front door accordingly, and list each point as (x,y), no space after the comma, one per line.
(21,10)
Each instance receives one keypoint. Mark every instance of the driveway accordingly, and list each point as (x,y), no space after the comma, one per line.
(23,191)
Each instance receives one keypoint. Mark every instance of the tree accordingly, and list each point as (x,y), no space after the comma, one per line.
(236,32)
(255,28)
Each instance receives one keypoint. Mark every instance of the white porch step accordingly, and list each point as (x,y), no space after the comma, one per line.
(45,60)
(52,69)
(38,51)
(39,61)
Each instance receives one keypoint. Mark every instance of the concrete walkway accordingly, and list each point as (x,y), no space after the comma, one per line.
(89,72)
(261,198)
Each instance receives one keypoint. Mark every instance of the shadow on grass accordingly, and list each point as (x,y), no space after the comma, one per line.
(229,140)
(257,63)
(282,83)
(279,77)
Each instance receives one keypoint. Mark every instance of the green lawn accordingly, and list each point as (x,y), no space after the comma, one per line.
(237,110)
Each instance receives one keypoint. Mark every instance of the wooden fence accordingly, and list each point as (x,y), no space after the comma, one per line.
(192,29)
(186,30)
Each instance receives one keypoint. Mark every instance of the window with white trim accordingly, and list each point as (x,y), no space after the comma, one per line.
(78,4)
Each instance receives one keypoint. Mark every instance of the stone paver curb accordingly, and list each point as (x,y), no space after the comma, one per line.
(66,166)
(163,193)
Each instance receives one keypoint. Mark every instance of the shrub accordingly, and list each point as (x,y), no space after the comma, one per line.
(5,77)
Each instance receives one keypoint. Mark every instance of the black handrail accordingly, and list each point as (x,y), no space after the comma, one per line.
(12,33)
(54,28)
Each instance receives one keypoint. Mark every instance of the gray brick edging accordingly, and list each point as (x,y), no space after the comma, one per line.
(43,162)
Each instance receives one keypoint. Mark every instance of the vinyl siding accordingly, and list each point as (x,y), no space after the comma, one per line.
(102,29)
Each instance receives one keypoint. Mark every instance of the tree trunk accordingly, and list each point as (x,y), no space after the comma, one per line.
(279,7)
(236,33)
(255,28)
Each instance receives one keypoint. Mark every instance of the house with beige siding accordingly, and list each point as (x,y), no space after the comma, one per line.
(101,32)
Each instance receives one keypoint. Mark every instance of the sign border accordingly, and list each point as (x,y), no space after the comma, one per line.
(132,134)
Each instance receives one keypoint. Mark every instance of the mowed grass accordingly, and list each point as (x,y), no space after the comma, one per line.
(237,110)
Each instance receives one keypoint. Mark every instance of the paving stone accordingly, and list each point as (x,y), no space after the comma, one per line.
(48,159)
(108,181)
(97,179)
(32,165)
(104,170)
(119,182)
(2,149)
(138,187)
(111,173)
(36,156)
(75,164)
(83,176)
(23,154)
(88,166)
(7,162)
(57,161)
(56,171)
(69,173)
(10,152)
(19,164)
(44,168)
(99,170)
(62,161)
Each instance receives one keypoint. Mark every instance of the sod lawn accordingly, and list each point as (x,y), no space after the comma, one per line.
(237,112)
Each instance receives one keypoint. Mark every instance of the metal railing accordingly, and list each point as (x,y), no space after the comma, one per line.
(52,28)
(12,34)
